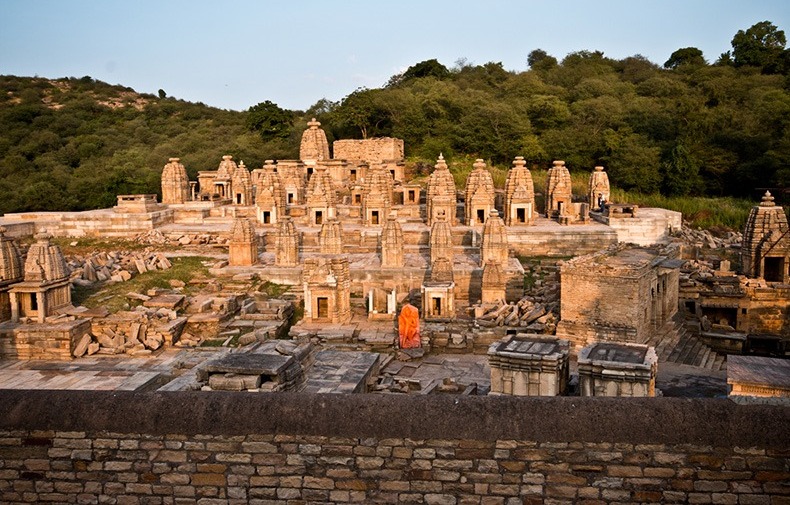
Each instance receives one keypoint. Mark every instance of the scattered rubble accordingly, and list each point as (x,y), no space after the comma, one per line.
(137,333)
(114,266)
(526,313)
(704,238)
(156,237)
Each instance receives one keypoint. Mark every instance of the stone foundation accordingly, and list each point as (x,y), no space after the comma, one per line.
(41,341)
(617,370)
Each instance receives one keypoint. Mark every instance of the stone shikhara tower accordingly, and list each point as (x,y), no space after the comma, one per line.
(10,272)
(241,185)
(321,197)
(392,244)
(243,243)
(286,246)
(765,251)
(493,283)
(494,243)
(519,195)
(270,196)
(479,195)
(175,183)
(376,195)
(558,191)
(330,238)
(441,240)
(327,290)
(314,146)
(441,193)
(598,190)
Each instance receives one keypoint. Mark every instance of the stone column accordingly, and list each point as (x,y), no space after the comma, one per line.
(14,307)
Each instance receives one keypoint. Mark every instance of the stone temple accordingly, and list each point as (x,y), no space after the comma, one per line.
(326,251)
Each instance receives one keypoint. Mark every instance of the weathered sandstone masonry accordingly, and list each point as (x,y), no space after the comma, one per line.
(282,448)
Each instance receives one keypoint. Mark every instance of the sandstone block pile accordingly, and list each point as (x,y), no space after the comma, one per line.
(135,333)
(114,266)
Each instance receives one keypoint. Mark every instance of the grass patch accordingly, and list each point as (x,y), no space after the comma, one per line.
(112,296)
(272,289)
(700,212)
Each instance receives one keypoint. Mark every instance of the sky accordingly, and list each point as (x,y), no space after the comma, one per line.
(236,53)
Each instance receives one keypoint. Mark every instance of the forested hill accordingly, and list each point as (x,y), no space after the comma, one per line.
(687,127)
(74,144)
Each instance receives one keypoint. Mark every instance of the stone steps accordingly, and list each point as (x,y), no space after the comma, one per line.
(674,343)
(692,351)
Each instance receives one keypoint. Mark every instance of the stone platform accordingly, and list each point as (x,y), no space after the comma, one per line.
(758,376)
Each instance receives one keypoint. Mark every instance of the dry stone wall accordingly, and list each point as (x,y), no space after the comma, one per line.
(89,447)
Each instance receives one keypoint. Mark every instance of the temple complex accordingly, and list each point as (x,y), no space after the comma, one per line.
(327,250)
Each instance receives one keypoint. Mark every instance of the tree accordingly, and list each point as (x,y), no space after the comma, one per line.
(427,68)
(761,46)
(363,110)
(681,172)
(269,120)
(724,60)
(162,94)
(541,60)
(685,56)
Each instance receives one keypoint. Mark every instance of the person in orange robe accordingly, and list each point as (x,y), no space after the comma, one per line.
(409,327)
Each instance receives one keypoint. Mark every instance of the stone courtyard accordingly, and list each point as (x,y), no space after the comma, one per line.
(308,268)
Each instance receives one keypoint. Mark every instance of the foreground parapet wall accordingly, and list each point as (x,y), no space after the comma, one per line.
(111,446)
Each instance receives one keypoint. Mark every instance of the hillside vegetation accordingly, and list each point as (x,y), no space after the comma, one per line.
(687,128)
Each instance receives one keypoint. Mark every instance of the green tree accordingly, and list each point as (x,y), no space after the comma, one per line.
(681,172)
(162,94)
(761,46)
(363,110)
(685,56)
(269,120)
(539,59)
(427,68)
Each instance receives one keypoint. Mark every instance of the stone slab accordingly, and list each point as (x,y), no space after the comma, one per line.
(759,370)
(250,364)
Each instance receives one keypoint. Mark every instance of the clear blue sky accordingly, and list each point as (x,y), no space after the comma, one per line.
(234,54)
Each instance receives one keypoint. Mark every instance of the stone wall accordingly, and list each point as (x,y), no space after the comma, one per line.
(213,448)
(368,150)
(769,311)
